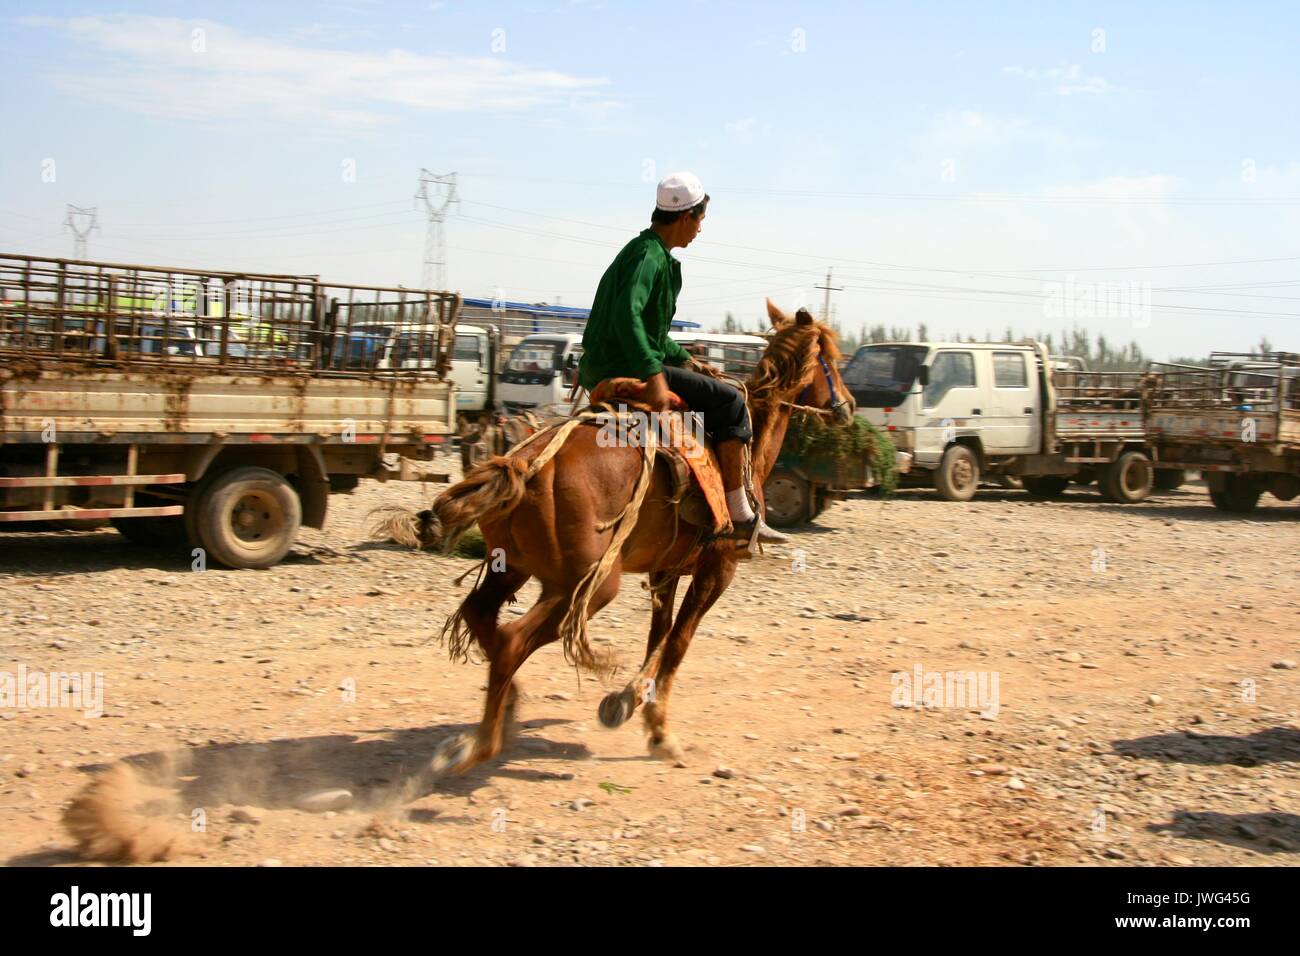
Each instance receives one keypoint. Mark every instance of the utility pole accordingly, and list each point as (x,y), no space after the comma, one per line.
(437,193)
(82,222)
(826,302)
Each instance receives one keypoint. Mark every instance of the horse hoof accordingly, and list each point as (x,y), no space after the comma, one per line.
(616,708)
(667,749)
(453,755)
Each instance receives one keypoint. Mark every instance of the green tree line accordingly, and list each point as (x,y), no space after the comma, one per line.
(1100,353)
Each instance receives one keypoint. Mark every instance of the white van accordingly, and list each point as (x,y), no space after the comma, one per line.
(543,367)
(540,373)
(735,354)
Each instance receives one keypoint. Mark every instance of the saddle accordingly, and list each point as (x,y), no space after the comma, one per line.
(691,459)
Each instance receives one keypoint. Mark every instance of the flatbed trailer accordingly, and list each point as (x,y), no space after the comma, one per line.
(208,409)
(1236,420)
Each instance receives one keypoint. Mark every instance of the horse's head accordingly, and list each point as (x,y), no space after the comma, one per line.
(800,365)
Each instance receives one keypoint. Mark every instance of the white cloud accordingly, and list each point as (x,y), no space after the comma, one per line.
(1064,79)
(333,32)
(1154,186)
(959,131)
(165,67)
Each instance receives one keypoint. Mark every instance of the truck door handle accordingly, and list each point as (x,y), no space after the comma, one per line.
(1029,410)
(975,411)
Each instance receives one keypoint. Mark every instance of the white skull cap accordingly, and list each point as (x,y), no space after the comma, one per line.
(678,191)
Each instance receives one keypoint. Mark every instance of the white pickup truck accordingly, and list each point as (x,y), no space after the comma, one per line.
(111,408)
(967,410)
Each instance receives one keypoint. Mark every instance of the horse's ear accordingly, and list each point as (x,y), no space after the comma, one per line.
(803,317)
(775,315)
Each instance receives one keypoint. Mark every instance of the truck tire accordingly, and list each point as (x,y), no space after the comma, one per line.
(958,475)
(1128,478)
(787,498)
(247,517)
(164,532)
(1238,496)
(1045,486)
(820,500)
(1167,479)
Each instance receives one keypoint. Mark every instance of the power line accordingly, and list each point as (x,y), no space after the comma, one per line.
(989,197)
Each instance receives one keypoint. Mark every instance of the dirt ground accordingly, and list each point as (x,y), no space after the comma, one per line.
(1147,707)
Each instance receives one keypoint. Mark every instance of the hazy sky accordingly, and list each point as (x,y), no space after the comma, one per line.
(968,168)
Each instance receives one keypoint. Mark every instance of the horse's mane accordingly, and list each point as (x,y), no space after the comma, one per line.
(789,358)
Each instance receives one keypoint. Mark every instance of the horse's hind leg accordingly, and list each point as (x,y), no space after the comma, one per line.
(618,706)
(712,576)
(510,647)
(539,627)
(480,611)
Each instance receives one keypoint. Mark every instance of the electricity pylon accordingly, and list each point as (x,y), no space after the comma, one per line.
(437,193)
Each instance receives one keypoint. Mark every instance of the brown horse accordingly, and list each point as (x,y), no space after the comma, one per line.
(556,524)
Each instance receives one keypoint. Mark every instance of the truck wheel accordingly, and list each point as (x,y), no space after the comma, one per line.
(819,502)
(1238,495)
(1167,479)
(248,517)
(1046,486)
(162,532)
(788,499)
(1128,479)
(958,475)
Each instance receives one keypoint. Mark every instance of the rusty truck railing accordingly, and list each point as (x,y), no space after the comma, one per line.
(1115,391)
(138,316)
(1232,382)
(1239,400)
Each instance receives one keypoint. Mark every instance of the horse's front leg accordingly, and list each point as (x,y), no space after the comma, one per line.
(713,574)
(618,706)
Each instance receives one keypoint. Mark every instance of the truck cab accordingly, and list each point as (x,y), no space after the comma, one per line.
(927,396)
(540,372)
(471,360)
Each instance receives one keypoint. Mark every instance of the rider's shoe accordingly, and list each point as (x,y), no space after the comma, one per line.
(756,530)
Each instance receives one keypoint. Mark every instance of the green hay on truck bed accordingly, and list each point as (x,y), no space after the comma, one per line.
(812,440)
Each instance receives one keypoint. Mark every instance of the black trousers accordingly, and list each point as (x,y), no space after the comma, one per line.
(720,405)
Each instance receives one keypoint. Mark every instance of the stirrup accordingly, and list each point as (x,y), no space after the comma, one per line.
(755,532)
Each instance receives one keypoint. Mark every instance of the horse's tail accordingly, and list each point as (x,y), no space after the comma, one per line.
(489,492)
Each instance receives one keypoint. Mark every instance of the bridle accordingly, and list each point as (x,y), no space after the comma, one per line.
(836,401)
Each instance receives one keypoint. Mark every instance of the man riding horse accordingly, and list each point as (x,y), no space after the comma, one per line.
(627,336)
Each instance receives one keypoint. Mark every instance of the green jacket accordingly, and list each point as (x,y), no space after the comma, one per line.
(627,333)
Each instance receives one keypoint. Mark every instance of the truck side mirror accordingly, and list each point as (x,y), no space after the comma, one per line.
(923,376)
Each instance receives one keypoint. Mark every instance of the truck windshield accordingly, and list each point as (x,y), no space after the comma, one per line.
(534,357)
(891,367)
